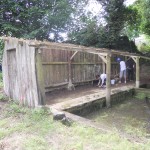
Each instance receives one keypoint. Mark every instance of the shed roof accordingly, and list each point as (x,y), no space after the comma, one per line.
(73,47)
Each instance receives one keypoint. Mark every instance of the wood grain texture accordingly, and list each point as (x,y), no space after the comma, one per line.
(19,72)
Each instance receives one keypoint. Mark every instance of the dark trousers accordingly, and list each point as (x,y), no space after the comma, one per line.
(130,74)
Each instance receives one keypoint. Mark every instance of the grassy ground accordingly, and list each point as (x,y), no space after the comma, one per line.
(26,129)
(22,128)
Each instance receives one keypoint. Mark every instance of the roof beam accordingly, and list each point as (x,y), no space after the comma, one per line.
(73,55)
(103,58)
(72,47)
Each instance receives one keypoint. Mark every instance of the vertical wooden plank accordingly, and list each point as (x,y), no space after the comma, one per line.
(108,87)
(12,72)
(137,73)
(40,78)
(104,67)
(70,85)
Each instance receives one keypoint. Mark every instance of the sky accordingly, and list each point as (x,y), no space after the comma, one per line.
(95,7)
(130,2)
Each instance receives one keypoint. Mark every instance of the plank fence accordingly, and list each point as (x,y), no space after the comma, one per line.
(84,67)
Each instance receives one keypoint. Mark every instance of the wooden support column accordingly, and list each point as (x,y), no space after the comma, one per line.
(70,85)
(137,73)
(107,60)
(40,78)
(104,67)
(108,86)
(136,60)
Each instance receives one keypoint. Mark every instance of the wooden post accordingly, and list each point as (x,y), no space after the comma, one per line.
(70,85)
(137,73)
(103,57)
(104,67)
(40,78)
(108,86)
(136,60)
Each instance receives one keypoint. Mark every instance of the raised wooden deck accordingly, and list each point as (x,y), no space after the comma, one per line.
(65,100)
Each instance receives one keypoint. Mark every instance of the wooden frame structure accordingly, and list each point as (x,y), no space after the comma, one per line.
(28,87)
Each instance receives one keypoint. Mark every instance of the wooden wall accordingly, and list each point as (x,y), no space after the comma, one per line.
(19,72)
(84,67)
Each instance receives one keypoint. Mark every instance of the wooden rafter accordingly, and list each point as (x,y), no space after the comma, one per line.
(103,58)
(134,58)
(73,55)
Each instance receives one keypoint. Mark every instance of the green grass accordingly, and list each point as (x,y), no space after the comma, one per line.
(35,143)
(136,127)
(3,97)
(140,96)
(38,131)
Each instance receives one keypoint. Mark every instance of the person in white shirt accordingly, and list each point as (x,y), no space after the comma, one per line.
(102,80)
(122,70)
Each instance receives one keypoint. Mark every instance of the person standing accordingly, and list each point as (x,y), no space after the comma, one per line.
(130,69)
(122,70)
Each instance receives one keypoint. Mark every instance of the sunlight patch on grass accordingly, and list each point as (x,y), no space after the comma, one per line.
(140,96)
(75,146)
(137,131)
(35,143)
(9,129)
(3,123)
(135,127)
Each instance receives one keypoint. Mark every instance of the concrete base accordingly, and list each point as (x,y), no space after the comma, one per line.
(86,104)
(71,87)
(137,84)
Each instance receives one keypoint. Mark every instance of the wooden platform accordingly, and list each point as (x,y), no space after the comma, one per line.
(65,100)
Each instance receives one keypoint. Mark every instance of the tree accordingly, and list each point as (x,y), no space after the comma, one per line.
(35,18)
(144,10)
(86,35)
(107,33)
(132,24)
(115,17)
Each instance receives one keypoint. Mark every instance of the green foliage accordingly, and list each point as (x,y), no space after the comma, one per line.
(94,35)
(132,25)
(109,33)
(141,9)
(144,9)
(144,44)
(115,17)
(35,18)
(86,36)
(145,48)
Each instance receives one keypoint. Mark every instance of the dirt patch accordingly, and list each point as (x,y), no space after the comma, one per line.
(13,142)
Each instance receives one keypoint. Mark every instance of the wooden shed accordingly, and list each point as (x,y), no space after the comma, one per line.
(31,68)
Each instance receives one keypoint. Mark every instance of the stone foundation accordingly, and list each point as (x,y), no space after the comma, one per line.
(89,107)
